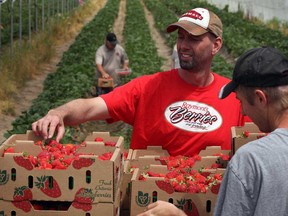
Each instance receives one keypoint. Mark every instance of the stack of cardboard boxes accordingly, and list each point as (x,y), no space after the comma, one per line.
(107,187)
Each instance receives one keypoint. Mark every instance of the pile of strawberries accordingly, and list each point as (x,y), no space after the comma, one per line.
(183,178)
(55,155)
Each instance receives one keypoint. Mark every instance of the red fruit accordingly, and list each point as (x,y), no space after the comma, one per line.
(23,162)
(180,188)
(9,150)
(44,155)
(84,206)
(142,177)
(22,193)
(84,195)
(23,205)
(33,160)
(246,133)
(49,188)
(82,162)
(193,189)
(153,174)
(172,174)
(110,143)
(98,139)
(166,186)
(105,156)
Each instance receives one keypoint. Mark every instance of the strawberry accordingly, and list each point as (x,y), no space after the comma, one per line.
(153,174)
(105,156)
(24,205)
(110,143)
(166,186)
(98,139)
(245,133)
(8,150)
(84,206)
(180,188)
(84,195)
(33,160)
(82,162)
(49,188)
(22,193)
(23,162)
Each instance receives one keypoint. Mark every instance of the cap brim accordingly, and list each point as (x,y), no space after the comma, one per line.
(113,42)
(187,26)
(227,89)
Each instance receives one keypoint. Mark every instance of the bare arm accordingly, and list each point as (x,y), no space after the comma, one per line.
(126,65)
(72,113)
(102,71)
(162,208)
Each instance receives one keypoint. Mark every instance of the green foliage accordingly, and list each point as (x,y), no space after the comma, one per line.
(139,45)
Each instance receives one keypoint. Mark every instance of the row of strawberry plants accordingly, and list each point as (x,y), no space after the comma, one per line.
(239,34)
(163,16)
(139,44)
(75,73)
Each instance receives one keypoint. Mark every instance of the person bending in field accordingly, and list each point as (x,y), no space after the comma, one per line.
(109,57)
(177,109)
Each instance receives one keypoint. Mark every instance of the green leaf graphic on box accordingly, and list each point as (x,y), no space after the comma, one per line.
(3,177)
(143,199)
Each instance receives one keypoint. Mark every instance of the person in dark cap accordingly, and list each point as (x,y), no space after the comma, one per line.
(177,109)
(255,182)
(110,57)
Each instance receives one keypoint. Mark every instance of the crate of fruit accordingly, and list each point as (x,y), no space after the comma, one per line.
(245,134)
(59,172)
(192,191)
(123,72)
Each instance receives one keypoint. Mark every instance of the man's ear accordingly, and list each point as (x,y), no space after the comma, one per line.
(217,45)
(260,97)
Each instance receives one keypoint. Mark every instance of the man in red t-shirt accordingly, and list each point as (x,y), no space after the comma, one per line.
(177,109)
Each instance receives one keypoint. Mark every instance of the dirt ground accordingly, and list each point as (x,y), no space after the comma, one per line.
(35,86)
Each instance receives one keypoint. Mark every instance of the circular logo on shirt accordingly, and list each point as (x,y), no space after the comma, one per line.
(193,116)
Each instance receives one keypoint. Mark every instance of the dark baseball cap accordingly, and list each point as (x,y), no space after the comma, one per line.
(258,67)
(111,37)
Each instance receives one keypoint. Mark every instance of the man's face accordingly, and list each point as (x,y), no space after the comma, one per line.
(194,51)
(109,45)
(255,111)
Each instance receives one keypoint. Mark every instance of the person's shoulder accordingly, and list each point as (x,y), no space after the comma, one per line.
(158,75)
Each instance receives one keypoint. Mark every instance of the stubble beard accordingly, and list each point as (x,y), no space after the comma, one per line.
(187,65)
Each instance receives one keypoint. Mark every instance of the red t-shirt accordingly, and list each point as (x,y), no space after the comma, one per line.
(166,111)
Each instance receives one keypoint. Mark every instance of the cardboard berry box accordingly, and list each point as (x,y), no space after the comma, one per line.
(104,138)
(139,158)
(89,176)
(243,135)
(150,190)
(59,208)
(142,159)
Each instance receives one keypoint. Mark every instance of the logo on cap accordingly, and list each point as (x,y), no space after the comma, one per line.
(193,14)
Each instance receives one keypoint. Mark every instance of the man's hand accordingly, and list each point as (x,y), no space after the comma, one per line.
(162,208)
(49,124)
(105,76)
